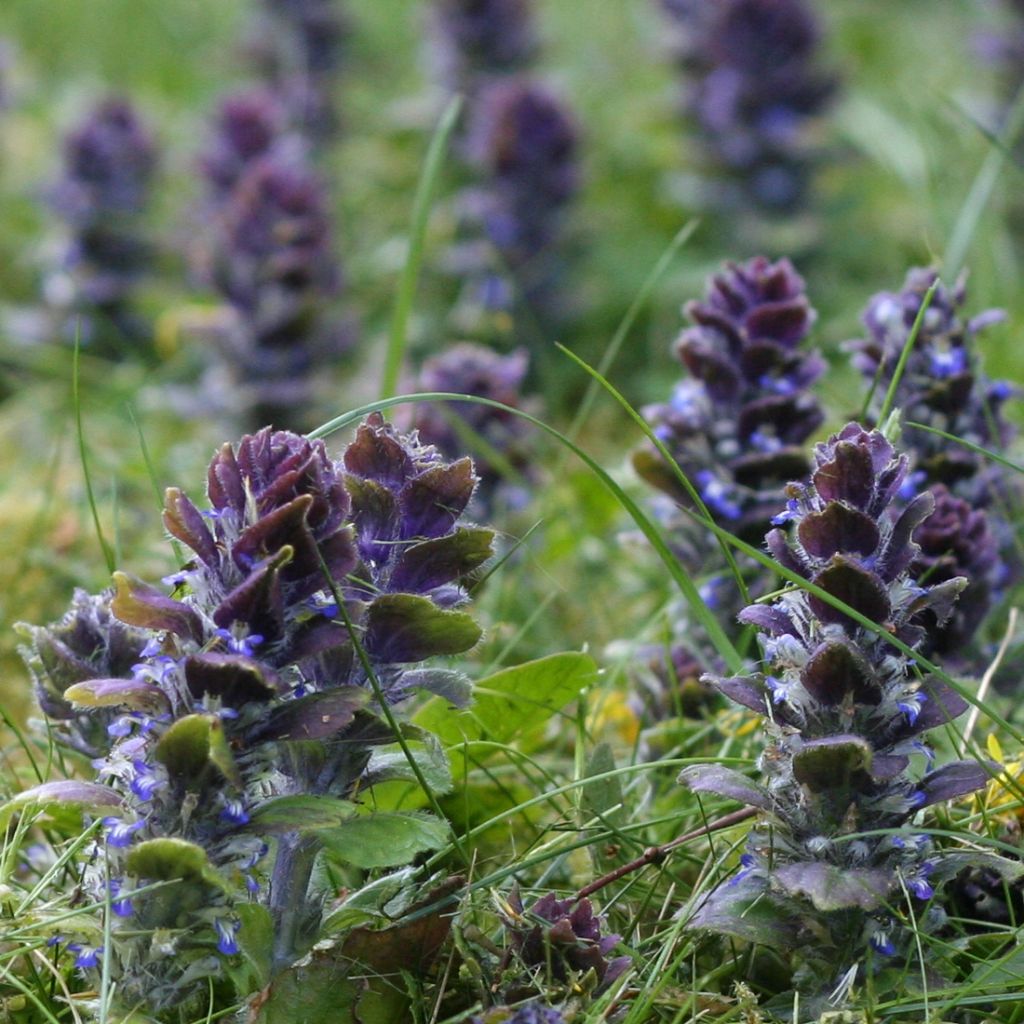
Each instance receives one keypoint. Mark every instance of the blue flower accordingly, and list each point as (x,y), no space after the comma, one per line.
(145,782)
(119,832)
(910,705)
(234,812)
(120,905)
(918,883)
(881,943)
(227,943)
(88,956)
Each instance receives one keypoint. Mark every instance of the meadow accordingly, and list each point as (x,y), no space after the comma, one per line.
(695,696)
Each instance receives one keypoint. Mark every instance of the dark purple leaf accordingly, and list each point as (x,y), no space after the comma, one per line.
(837,670)
(184,521)
(956,779)
(139,604)
(430,563)
(860,589)
(838,529)
(402,628)
(233,678)
(316,717)
(433,501)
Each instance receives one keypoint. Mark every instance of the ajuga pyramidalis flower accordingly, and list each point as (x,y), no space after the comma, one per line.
(562,938)
(523,143)
(476,371)
(943,387)
(272,261)
(737,424)
(475,40)
(530,1013)
(250,714)
(109,162)
(830,864)
(753,88)
(248,126)
(299,47)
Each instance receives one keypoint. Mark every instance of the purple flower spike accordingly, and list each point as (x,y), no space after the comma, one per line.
(737,426)
(474,40)
(942,385)
(248,126)
(563,936)
(272,261)
(109,163)
(474,370)
(844,712)
(753,93)
(525,145)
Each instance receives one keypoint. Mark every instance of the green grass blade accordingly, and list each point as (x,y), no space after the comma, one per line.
(108,554)
(982,187)
(897,375)
(984,452)
(695,497)
(406,292)
(703,614)
(683,235)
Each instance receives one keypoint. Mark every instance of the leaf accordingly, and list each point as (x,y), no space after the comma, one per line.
(256,944)
(192,744)
(316,717)
(300,813)
(454,687)
(385,839)
(390,763)
(716,778)
(949,863)
(125,693)
(64,793)
(830,887)
(139,604)
(406,627)
(603,796)
(956,779)
(745,908)
(431,563)
(511,701)
(164,860)
(833,764)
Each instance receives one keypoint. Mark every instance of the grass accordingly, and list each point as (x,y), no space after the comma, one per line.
(908,177)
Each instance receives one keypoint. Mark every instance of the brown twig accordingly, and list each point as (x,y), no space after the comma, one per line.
(656,854)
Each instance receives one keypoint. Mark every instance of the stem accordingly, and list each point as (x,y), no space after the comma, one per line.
(289,885)
(656,854)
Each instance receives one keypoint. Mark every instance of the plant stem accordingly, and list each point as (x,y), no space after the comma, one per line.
(656,854)
(289,886)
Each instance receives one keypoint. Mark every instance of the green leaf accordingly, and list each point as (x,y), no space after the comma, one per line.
(194,743)
(62,794)
(511,701)
(165,860)
(256,944)
(385,839)
(603,797)
(406,627)
(391,763)
(300,814)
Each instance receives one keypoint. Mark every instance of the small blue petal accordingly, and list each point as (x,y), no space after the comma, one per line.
(226,941)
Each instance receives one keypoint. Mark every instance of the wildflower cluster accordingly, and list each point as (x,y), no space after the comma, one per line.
(109,162)
(753,91)
(520,149)
(737,425)
(299,48)
(271,259)
(475,40)
(845,714)
(248,719)
(469,369)
(943,388)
